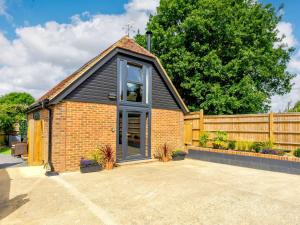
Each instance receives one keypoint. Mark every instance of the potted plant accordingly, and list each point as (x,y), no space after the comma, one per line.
(89,165)
(178,155)
(107,157)
(164,153)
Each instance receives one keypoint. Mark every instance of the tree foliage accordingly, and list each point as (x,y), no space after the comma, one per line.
(223,56)
(12,110)
(296,107)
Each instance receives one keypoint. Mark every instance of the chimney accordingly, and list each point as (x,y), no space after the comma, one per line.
(149,35)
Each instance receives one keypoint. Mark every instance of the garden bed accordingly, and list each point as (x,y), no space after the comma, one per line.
(247,159)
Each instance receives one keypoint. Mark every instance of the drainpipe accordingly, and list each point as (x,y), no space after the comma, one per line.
(50,169)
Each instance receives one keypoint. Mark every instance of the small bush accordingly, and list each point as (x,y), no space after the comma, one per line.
(272,152)
(178,153)
(203,139)
(231,145)
(244,145)
(87,162)
(220,140)
(267,145)
(96,155)
(106,154)
(257,146)
(297,152)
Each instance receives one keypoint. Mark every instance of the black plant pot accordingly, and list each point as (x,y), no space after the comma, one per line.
(90,169)
(178,157)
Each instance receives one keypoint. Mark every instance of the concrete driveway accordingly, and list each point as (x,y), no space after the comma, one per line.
(7,161)
(183,192)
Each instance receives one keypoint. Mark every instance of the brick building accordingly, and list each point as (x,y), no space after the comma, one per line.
(122,97)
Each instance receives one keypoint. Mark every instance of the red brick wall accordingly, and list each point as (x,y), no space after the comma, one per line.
(167,127)
(79,128)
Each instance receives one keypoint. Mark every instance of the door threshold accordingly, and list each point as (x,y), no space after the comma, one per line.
(133,162)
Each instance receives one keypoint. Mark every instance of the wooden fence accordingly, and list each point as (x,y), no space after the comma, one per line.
(283,129)
(2,138)
(34,139)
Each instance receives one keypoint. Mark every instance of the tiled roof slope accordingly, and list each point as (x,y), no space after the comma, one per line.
(124,43)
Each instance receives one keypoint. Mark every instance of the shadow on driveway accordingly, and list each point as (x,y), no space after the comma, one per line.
(11,161)
(8,206)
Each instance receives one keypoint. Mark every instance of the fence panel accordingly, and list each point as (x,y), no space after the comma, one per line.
(281,128)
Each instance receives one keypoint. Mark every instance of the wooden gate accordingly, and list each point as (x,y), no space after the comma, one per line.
(35,128)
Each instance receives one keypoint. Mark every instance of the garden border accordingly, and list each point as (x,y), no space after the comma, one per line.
(247,159)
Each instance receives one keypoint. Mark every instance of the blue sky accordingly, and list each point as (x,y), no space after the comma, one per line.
(42,41)
(291,12)
(33,12)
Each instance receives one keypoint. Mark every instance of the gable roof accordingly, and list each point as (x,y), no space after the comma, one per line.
(124,43)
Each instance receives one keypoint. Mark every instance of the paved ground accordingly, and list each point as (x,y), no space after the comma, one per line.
(10,161)
(183,192)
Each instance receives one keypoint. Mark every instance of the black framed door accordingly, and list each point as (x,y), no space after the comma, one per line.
(131,134)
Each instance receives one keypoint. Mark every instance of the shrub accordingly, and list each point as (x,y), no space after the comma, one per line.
(96,155)
(178,153)
(163,153)
(203,139)
(267,145)
(257,146)
(106,154)
(297,152)
(231,145)
(244,145)
(272,152)
(220,140)
(87,162)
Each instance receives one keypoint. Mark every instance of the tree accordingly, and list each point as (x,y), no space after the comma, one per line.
(296,107)
(12,110)
(223,56)
(17,98)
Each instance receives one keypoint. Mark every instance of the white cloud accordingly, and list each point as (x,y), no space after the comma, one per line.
(43,55)
(280,103)
(3,10)
(286,31)
(140,5)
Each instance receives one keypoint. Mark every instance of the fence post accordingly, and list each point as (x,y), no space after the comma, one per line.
(201,120)
(271,130)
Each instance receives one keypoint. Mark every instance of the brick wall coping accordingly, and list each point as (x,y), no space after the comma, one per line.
(244,153)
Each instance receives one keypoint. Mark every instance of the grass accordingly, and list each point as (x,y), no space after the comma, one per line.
(5,150)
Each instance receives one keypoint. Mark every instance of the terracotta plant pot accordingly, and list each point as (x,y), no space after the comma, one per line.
(164,159)
(109,165)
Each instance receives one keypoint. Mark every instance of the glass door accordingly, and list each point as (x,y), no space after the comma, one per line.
(134,135)
(131,135)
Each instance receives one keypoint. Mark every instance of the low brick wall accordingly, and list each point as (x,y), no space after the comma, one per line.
(247,159)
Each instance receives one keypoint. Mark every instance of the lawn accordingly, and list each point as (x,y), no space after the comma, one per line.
(5,150)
